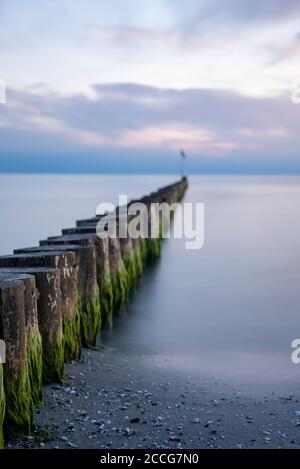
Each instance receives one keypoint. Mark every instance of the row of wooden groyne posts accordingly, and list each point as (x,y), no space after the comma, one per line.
(55,298)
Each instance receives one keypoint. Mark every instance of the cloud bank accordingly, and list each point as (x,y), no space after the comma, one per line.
(130,119)
(95,85)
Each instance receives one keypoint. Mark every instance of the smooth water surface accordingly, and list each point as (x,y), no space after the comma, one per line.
(230,309)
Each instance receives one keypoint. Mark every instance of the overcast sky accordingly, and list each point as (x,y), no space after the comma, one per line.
(122,85)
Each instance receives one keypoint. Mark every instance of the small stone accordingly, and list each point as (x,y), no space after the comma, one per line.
(129,432)
(209,424)
(135,420)
(72,445)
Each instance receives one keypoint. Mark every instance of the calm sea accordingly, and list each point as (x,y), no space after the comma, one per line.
(229,309)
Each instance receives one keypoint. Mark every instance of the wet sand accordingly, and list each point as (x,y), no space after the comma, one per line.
(112,400)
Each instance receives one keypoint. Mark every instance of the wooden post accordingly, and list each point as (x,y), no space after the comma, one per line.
(66,263)
(47,282)
(87,287)
(19,414)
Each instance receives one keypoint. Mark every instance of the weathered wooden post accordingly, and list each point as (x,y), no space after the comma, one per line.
(33,336)
(50,286)
(133,250)
(153,240)
(19,413)
(87,287)
(118,274)
(50,322)
(103,266)
(47,281)
(129,252)
(88,236)
(66,263)
(133,254)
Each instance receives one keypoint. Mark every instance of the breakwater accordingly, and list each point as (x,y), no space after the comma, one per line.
(56,297)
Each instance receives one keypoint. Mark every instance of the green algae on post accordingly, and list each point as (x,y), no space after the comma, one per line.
(69,311)
(19,414)
(50,324)
(119,276)
(106,299)
(143,251)
(33,337)
(53,364)
(139,252)
(71,337)
(80,324)
(65,261)
(131,266)
(88,294)
(90,320)
(63,257)
(35,366)
(153,249)
(104,279)
(120,288)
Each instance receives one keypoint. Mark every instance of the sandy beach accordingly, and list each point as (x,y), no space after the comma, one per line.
(114,401)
